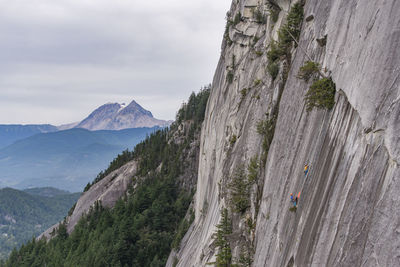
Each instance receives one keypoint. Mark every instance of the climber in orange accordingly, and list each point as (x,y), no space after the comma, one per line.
(298,197)
(306,170)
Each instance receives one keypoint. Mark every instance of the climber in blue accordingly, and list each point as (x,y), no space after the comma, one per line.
(294,201)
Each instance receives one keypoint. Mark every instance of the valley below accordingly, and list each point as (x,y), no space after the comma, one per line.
(27,213)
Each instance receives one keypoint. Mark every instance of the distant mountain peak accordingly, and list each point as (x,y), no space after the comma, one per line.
(134,107)
(115,116)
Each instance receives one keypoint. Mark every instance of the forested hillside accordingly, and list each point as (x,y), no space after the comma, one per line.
(142,228)
(46,191)
(24,215)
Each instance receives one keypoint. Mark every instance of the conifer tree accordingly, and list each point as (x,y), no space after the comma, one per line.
(224,229)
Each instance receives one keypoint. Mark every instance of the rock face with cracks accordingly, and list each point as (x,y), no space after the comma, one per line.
(108,191)
(348,210)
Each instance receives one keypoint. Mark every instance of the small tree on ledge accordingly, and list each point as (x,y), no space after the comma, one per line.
(321,94)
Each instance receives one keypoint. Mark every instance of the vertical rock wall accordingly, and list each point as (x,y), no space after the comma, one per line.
(229,137)
(348,210)
(347,213)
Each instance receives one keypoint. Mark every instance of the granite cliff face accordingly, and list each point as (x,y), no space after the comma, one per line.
(348,212)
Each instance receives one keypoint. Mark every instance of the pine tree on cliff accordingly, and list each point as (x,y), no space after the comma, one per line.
(224,229)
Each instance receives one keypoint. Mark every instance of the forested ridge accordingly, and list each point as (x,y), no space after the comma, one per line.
(24,214)
(142,227)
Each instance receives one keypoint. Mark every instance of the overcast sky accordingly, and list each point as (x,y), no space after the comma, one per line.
(60,59)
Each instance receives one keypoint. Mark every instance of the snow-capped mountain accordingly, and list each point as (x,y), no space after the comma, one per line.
(115,116)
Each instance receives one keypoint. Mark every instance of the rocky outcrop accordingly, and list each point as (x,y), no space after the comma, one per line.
(347,213)
(114,116)
(107,191)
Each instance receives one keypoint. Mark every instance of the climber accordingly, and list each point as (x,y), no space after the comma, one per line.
(297,197)
(293,200)
(305,170)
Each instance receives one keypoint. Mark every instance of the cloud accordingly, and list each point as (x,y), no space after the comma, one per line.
(70,56)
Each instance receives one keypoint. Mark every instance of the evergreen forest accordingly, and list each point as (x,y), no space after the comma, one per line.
(142,227)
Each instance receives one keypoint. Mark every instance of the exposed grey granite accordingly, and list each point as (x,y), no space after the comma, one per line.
(348,212)
(108,191)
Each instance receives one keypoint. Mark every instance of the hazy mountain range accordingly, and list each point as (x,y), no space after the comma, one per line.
(10,133)
(71,155)
(65,159)
(110,116)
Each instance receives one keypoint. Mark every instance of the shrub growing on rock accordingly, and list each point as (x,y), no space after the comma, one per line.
(252,168)
(237,19)
(273,70)
(274,52)
(293,209)
(257,82)
(274,11)
(233,139)
(229,77)
(266,128)
(321,94)
(255,40)
(243,93)
(308,70)
(226,33)
(259,16)
(259,53)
